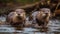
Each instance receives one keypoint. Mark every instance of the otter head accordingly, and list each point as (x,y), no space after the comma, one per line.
(46,11)
(20,13)
(41,15)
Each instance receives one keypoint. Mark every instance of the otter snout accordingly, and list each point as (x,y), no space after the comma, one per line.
(18,14)
(45,15)
(19,17)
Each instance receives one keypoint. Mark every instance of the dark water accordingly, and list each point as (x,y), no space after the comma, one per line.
(53,28)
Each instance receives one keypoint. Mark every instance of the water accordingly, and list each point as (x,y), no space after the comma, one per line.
(53,28)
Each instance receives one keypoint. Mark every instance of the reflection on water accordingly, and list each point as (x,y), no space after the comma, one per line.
(53,28)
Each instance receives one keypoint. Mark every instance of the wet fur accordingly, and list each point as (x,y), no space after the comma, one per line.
(13,20)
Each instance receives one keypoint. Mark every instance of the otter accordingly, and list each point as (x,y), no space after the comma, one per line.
(16,17)
(41,17)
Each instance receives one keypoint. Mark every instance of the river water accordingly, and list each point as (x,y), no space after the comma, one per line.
(53,28)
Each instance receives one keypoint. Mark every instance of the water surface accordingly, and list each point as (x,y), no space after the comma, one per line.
(53,28)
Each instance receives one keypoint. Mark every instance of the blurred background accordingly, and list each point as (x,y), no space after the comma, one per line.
(7,5)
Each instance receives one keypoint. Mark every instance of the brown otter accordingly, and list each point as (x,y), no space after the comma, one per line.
(41,17)
(17,17)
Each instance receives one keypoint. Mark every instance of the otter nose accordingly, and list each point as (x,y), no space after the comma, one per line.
(46,13)
(19,17)
(18,14)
